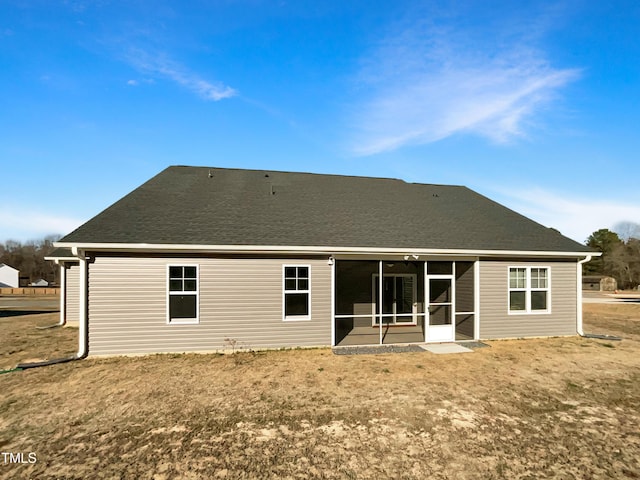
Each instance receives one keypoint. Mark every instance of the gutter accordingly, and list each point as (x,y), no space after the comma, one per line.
(579,296)
(309,250)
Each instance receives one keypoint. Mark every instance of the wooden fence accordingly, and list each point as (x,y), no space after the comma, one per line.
(30,291)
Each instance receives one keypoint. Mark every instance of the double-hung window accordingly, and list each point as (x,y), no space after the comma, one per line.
(529,290)
(182,302)
(296,292)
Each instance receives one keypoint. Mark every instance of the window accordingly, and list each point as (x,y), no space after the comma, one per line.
(398,299)
(182,302)
(297,292)
(529,290)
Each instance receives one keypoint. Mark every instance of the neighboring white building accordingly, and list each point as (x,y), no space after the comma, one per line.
(9,276)
(40,283)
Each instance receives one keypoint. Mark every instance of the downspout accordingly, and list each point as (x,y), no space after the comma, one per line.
(63,294)
(83,351)
(83,324)
(579,294)
(380,286)
(476,299)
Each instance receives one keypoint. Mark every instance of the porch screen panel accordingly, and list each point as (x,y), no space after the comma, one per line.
(388,294)
(354,295)
(440,291)
(439,268)
(465,300)
(440,315)
(465,326)
(405,291)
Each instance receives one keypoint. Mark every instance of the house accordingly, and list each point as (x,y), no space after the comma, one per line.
(69,285)
(599,283)
(9,276)
(40,283)
(199,259)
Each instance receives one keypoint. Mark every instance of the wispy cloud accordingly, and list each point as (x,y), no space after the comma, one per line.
(575,217)
(159,65)
(427,81)
(32,224)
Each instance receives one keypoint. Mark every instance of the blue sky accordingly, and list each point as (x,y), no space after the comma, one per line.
(536,107)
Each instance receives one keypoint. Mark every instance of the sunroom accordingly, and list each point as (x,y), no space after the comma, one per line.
(404,300)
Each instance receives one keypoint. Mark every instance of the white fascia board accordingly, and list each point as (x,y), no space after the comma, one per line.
(313,250)
(62,259)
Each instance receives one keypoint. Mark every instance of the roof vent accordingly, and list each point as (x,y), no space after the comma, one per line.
(210,174)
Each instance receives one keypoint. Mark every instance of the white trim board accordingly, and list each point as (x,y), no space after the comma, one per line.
(320,250)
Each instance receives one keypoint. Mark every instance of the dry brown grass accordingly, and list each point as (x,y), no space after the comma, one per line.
(542,408)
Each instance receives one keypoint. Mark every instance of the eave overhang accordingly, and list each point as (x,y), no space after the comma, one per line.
(313,250)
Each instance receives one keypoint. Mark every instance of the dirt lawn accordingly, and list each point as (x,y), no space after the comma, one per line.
(542,408)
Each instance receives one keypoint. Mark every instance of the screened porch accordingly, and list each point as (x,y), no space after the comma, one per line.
(383,301)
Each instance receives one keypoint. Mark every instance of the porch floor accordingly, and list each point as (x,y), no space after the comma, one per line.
(390,335)
(371,336)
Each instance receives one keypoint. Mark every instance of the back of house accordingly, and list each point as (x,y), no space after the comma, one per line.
(207,259)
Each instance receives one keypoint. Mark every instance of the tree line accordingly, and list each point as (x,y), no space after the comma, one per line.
(28,257)
(620,254)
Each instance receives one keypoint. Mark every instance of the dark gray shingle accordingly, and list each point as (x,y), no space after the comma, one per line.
(215,206)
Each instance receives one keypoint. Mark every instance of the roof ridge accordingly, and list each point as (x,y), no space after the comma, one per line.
(259,170)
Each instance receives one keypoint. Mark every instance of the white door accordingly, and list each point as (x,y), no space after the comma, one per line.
(440,293)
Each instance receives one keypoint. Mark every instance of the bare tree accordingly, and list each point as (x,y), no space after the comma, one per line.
(28,258)
(627,230)
(620,257)
(623,263)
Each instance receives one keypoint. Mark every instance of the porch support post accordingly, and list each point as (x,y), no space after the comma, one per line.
(476,299)
(425,282)
(333,301)
(380,299)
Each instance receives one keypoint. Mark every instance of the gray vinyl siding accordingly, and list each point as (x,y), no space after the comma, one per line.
(240,302)
(496,322)
(72,298)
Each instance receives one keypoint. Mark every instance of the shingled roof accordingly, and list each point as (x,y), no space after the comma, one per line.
(217,206)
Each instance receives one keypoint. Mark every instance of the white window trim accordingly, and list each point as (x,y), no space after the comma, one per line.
(295,318)
(528,290)
(183,321)
(414,304)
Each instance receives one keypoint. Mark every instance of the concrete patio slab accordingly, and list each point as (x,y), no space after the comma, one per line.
(442,348)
